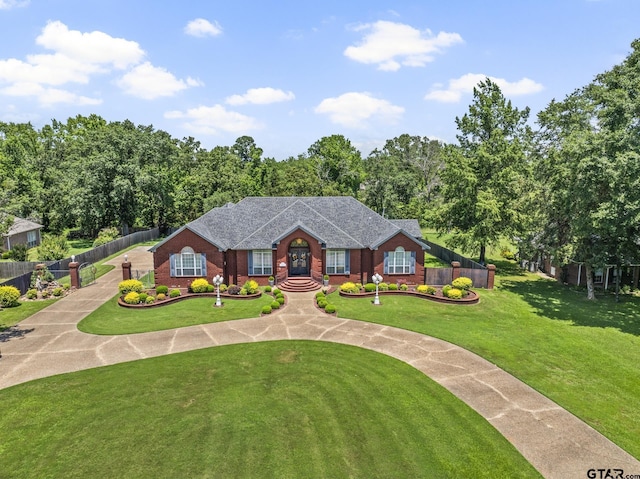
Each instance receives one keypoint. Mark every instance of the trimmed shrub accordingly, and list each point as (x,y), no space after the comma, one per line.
(132,298)
(276,291)
(445,290)
(20,252)
(275,305)
(462,283)
(251,286)
(6,255)
(330,308)
(267,289)
(211,288)
(369,287)
(223,288)
(320,294)
(393,287)
(454,293)
(506,253)
(349,287)
(150,300)
(66,286)
(422,288)
(266,309)
(404,287)
(105,236)
(57,292)
(129,285)
(174,293)
(322,303)
(143,297)
(383,287)
(32,294)
(9,296)
(162,289)
(199,285)
(280,299)
(233,289)
(243,292)
(161,296)
(45,294)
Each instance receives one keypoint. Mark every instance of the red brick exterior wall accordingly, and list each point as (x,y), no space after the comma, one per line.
(162,267)
(391,245)
(234,265)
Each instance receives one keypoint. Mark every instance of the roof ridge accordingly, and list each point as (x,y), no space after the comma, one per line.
(335,225)
(268,222)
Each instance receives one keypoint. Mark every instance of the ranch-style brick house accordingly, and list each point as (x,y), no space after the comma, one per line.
(289,237)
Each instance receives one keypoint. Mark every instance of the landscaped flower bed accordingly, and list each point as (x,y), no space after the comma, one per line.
(458,292)
(133,295)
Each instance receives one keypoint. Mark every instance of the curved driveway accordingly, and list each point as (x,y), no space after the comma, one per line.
(554,441)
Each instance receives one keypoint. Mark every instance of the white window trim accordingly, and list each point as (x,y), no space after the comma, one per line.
(404,265)
(267,266)
(336,255)
(187,253)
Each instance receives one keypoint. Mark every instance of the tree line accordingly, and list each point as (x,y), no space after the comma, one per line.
(566,184)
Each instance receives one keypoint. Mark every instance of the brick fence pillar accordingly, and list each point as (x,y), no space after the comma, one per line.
(126,270)
(491,275)
(74,273)
(456,270)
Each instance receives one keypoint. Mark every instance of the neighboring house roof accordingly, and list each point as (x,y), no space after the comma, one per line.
(20,225)
(334,221)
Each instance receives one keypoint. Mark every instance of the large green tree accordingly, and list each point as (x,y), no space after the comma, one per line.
(589,146)
(484,181)
(338,165)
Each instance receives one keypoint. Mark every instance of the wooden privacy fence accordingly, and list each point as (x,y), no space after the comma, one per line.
(23,278)
(482,276)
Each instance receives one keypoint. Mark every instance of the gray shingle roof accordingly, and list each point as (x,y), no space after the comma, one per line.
(20,225)
(335,221)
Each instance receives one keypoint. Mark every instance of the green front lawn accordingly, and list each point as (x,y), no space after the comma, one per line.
(582,355)
(286,409)
(11,316)
(110,318)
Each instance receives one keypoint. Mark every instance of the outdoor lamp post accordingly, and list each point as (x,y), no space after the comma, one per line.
(217,281)
(377,279)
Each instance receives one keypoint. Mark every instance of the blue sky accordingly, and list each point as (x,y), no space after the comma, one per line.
(290,72)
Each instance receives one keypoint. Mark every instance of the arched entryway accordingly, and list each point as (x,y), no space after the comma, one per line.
(299,258)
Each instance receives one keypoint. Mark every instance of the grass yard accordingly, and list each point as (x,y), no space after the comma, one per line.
(12,316)
(583,355)
(113,319)
(286,409)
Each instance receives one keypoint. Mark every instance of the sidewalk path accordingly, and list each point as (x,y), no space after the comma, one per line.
(554,441)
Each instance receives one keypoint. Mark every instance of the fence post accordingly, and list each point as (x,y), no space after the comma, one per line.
(491,275)
(74,273)
(456,270)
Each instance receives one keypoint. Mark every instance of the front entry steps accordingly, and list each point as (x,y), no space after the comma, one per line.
(298,285)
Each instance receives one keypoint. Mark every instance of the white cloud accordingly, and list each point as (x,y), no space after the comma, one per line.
(9,4)
(260,96)
(355,109)
(202,28)
(465,84)
(94,47)
(210,120)
(149,82)
(48,96)
(391,45)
